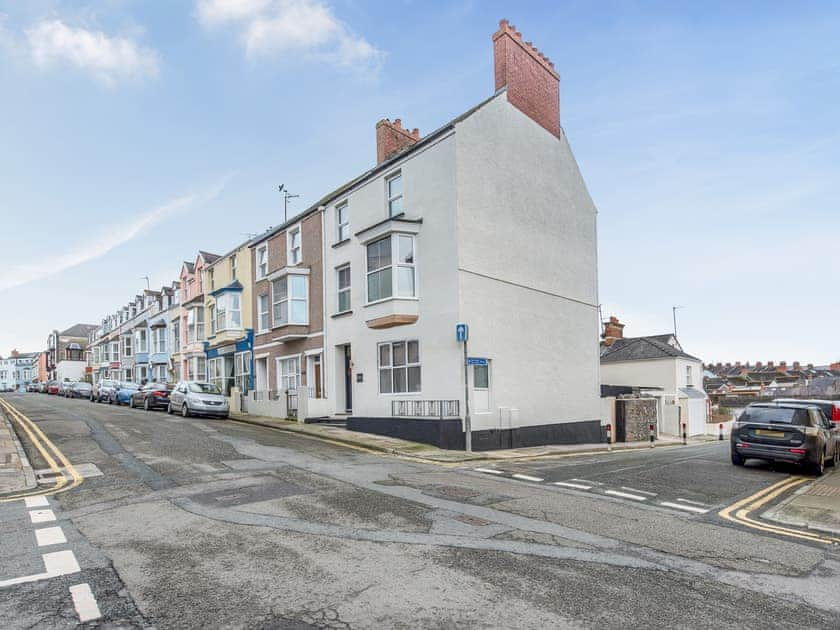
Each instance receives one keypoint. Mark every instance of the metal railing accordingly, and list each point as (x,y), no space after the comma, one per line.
(426,408)
(291,403)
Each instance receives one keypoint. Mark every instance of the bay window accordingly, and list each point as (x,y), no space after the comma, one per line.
(290,300)
(389,275)
(127,346)
(228,312)
(196,369)
(399,367)
(220,373)
(159,339)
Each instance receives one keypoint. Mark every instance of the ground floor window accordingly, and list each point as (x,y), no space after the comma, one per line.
(142,374)
(220,373)
(288,374)
(399,367)
(128,373)
(242,371)
(159,373)
(196,369)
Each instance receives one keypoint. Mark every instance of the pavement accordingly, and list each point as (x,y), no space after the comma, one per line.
(16,475)
(426,452)
(814,507)
(193,523)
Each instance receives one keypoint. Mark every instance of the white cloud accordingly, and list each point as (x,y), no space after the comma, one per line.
(286,27)
(98,245)
(108,58)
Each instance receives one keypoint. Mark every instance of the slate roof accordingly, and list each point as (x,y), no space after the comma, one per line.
(79,330)
(641,348)
(208,257)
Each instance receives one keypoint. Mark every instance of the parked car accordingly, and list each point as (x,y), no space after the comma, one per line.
(53,387)
(151,396)
(81,389)
(63,385)
(32,387)
(123,392)
(785,432)
(831,408)
(103,391)
(196,398)
(43,387)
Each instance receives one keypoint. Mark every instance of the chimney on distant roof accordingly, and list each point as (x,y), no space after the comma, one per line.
(771,365)
(737,364)
(758,365)
(533,85)
(783,366)
(613,331)
(796,365)
(391,138)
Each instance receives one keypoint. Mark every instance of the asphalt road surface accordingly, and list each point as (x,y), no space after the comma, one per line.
(195,523)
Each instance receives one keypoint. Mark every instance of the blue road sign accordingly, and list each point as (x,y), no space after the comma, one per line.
(462,332)
(476,361)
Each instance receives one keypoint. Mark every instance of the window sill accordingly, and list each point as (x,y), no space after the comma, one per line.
(281,326)
(391,299)
(340,243)
(341,314)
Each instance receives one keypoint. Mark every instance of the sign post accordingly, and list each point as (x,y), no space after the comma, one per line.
(462,334)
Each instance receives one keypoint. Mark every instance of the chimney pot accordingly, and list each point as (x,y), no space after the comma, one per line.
(391,138)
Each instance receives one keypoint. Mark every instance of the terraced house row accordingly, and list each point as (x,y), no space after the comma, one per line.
(349,309)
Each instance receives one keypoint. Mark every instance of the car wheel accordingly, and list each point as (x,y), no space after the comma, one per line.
(169,408)
(737,459)
(146,405)
(185,411)
(131,402)
(818,468)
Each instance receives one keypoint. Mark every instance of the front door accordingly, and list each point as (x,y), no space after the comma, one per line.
(348,379)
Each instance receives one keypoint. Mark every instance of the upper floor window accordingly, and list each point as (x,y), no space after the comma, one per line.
(262,262)
(343,288)
(291,300)
(294,239)
(228,313)
(195,325)
(262,310)
(159,339)
(395,194)
(689,379)
(141,341)
(212,318)
(127,350)
(233,268)
(342,217)
(211,278)
(389,275)
(176,336)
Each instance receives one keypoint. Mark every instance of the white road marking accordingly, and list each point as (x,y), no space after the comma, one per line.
(489,470)
(694,502)
(61,563)
(625,495)
(594,483)
(85,602)
(50,536)
(568,484)
(33,502)
(41,516)
(56,563)
(526,477)
(680,506)
(650,494)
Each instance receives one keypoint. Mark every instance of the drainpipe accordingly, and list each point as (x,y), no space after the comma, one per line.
(324,353)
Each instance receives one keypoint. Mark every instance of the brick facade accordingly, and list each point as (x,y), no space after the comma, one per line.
(533,85)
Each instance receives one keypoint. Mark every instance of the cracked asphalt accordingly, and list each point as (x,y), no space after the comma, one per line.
(206,523)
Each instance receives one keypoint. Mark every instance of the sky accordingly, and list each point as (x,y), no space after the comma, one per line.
(133,134)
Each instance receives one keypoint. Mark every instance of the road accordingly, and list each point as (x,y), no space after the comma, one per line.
(183,523)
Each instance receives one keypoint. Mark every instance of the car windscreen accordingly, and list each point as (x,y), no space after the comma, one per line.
(204,388)
(775,415)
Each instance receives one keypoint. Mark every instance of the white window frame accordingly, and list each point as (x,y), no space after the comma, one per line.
(159,373)
(689,379)
(391,199)
(393,370)
(211,316)
(141,342)
(285,303)
(284,376)
(233,267)
(343,224)
(344,290)
(176,335)
(193,373)
(159,339)
(226,314)
(242,371)
(294,255)
(263,300)
(128,348)
(141,373)
(394,265)
(262,265)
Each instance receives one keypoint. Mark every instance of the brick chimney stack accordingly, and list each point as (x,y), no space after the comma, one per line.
(797,366)
(613,331)
(533,85)
(783,366)
(391,138)
(771,365)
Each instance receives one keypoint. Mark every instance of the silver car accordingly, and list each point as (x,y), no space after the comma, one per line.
(197,398)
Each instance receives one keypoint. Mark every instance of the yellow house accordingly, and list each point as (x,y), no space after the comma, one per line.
(230,325)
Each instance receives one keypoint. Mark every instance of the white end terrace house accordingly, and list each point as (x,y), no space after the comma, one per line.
(485,221)
(658,366)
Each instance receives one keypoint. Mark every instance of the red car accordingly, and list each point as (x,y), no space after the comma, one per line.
(53,387)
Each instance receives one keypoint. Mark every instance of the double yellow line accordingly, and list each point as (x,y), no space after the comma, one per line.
(740,511)
(52,455)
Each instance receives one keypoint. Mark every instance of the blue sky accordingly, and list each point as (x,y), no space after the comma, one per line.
(135,133)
